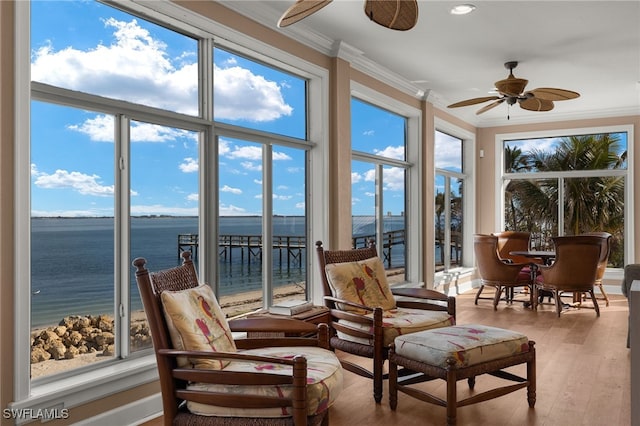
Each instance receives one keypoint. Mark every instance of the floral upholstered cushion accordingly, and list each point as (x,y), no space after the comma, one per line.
(363,282)
(324,383)
(466,344)
(399,321)
(196,322)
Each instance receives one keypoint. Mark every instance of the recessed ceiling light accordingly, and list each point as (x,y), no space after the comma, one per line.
(463,9)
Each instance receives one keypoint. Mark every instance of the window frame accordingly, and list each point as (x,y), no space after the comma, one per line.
(82,386)
(468,176)
(413,168)
(501,177)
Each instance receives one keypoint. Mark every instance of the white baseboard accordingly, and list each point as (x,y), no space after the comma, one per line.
(132,414)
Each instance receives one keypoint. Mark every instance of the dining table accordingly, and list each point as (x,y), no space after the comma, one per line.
(547,256)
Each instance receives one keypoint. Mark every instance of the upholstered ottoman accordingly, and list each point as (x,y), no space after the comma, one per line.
(462,352)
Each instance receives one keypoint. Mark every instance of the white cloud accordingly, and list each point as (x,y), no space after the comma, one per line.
(231,210)
(448,151)
(76,181)
(100,129)
(242,95)
(300,205)
(193,197)
(231,190)
(282,197)
(393,178)
(245,152)
(257,181)
(355,177)
(369,133)
(189,165)
(396,152)
(248,165)
(136,67)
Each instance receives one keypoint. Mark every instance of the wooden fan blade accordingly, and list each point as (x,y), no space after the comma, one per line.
(491,105)
(553,94)
(300,10)
(511,86)
(398,15)
(473,101)
(536,104)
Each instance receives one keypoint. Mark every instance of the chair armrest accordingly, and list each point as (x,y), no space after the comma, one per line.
(235,356)
(297,375)
(420,293)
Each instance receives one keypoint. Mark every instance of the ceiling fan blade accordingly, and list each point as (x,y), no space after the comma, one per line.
(553,94)
(511,86)
(398,15)
(473,101)
(300,10)
(536,104)
(491,105)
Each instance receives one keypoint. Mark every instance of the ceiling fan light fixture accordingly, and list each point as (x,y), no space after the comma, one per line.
(463,9)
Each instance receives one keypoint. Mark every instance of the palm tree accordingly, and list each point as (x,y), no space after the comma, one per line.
(590,203)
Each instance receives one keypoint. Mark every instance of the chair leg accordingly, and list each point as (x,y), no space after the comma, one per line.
(604,294)
(478,294)
(393,383)
(595,302)
(378,362)
(496,298)
(452,402)
(556,295)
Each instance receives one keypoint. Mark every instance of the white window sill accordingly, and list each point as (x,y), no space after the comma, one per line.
(85,387)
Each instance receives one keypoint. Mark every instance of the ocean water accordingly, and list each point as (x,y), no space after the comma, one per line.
(73,259)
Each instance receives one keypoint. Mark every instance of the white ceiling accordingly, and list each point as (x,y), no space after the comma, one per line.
(591,47)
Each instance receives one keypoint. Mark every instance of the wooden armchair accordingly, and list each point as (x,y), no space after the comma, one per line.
(207,377)
(574,270)
(367,314)
(496,273)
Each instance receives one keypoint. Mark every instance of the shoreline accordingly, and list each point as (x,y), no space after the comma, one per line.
(233,306)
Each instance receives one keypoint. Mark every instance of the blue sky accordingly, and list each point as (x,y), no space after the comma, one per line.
(90,47)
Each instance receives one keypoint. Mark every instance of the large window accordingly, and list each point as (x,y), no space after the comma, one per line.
(567,185)
(131,157)
(83,311)
(449,201)
(379,181)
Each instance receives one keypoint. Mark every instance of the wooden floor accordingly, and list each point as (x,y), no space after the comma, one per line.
(583,374)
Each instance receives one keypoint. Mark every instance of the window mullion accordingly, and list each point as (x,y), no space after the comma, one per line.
(122,312)
(267,224)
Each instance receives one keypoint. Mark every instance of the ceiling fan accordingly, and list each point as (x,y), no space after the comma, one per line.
(511,90)
(398,15)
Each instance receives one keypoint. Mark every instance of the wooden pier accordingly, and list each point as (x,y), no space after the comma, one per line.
(290,247)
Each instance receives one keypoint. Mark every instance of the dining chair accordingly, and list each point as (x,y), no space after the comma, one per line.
(209,378)
(495,272)
(574,270)
(366,314)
